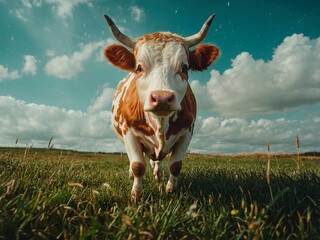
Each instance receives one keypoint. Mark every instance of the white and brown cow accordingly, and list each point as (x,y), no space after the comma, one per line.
(154,108)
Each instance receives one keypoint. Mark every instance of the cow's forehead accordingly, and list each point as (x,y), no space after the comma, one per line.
(164,47)
(163,37)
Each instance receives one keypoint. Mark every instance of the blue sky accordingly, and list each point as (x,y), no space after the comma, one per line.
(265,86)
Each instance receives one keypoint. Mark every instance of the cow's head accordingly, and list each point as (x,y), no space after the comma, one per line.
(161,62)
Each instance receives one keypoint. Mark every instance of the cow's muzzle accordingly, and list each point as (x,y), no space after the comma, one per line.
(162,103)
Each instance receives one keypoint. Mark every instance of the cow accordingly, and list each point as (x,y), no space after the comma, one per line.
(154,108)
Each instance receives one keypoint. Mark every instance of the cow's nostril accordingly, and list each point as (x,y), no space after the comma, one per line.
(153,99)
(171,99)
(162,100)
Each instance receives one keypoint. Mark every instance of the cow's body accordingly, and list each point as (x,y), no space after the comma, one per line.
(156,136)
(154,109)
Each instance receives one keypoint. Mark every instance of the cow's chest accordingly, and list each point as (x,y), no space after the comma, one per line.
(157,146)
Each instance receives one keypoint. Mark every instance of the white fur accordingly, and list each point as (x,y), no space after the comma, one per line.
(161,64)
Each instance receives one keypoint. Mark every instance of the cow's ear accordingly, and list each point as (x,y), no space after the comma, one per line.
(120,57)
(201,57)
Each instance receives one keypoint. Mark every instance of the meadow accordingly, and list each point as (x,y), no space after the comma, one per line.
(54,194)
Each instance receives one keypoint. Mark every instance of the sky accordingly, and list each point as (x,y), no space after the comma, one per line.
(264,87)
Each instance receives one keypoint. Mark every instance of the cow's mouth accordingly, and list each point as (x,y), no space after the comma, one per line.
(162,113)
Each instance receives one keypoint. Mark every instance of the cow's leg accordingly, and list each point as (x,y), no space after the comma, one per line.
(137,164)
(175,161)
(157,169)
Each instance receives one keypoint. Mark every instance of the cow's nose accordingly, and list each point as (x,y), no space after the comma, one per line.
(162,100)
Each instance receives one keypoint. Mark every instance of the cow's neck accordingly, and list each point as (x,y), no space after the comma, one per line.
(160,126)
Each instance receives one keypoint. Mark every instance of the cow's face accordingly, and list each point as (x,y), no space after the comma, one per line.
(161,63)
(164,74)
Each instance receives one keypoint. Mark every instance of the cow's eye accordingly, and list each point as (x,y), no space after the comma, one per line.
(139,68)
(184,68)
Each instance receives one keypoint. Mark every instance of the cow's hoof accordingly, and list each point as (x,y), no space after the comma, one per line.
(157,170)
(152,164)
(158,176)
(170,187)
(135,196)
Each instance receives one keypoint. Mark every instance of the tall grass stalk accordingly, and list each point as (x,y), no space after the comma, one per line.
(268,170)
(26,151)
(50,145)
(298,153)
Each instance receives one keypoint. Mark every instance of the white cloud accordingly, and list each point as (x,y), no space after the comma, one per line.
(290,79)
(20,13)
(26,3)
(67,67)
(50,53)
(102,101)
(6,74)
(64,8)
(30,65)
(137,13)
(24,11)
(36,124)
(235,135)
(14,74)
(37,3)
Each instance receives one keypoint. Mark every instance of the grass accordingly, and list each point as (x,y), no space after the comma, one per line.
(53,194)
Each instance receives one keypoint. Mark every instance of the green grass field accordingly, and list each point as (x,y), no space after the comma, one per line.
(53,194)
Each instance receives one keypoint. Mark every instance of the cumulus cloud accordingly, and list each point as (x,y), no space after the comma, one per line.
(26,3)
(36,124)
(64,8)
(37,3)
(67,67)
(102,101)
(6,74)
(50,53)
(137,13)
(30,65)
(61,8)
(290,79)
(236,135)
(23,12)
(20,13)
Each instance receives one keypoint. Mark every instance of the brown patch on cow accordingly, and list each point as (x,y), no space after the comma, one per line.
(184,76)
(138,169)
(186,116)
(202,57)
(120,57)
(132,110)
(117,116)
(118,129)
(120,88)
(175,168)
(163,37)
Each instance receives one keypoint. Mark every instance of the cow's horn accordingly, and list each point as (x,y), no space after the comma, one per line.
(128,41)
(198,37)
